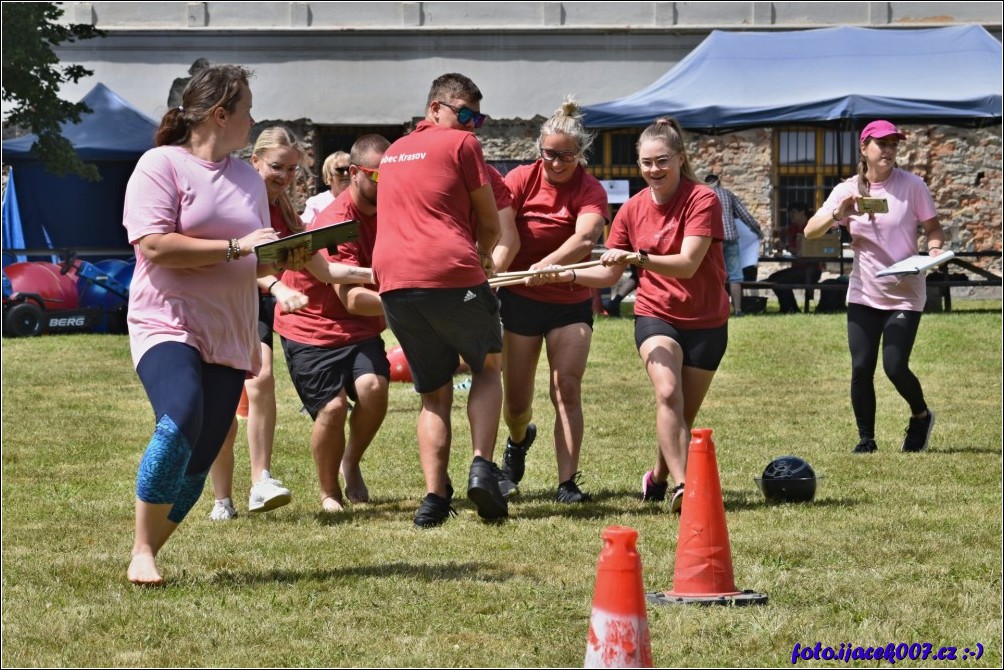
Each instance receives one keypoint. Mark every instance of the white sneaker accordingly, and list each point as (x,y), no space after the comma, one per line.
(223,510)
(268,494)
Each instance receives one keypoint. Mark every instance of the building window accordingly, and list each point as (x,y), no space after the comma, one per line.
(810,162)
(613,156)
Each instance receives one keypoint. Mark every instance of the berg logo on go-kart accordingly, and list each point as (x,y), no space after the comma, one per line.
(67,322)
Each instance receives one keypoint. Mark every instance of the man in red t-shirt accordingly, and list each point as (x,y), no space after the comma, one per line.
(439,225)
(333,347)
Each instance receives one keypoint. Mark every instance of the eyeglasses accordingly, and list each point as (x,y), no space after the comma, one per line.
(279,168)
(465,115)
(374,175)
(662,162)
(563,156)
(341,170)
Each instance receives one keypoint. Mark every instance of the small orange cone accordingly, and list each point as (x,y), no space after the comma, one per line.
(242,406)
(618,627)
(703,573)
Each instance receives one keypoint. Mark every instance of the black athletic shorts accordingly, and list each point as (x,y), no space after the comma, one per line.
(320,373)
(266,317)
(435,326)
(703,348)
(525,316)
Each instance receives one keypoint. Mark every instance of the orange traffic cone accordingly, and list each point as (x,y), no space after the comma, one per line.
(703,572)
(242,406)
(618,627)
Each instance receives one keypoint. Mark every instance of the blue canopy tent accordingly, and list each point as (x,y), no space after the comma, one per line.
(736,80)
(43,211)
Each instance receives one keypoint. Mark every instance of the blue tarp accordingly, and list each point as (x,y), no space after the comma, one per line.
(738,80)
(46,211)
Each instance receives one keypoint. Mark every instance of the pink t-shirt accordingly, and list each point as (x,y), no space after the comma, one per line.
(325,322)
(315,205)
(888,239)
(213,308)
(698,302)
(545,218)
(428,230)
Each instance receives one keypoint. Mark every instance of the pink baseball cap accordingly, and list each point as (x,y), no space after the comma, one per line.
(880,129)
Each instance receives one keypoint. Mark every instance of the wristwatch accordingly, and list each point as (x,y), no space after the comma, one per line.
(642,257)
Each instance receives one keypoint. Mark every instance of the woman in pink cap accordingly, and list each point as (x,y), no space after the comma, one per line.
(883,310)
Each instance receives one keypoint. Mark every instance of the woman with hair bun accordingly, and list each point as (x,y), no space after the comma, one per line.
(673,232)
(560,212)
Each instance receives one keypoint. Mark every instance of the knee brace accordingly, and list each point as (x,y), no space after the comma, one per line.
(188,495)
(163,465)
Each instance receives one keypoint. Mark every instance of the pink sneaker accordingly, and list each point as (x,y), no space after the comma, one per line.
(651,491)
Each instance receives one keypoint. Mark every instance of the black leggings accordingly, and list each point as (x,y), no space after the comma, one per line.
(897,330)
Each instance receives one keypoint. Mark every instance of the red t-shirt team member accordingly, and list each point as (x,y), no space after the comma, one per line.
(681,307)
(333,347)
(439,225)
(560,214)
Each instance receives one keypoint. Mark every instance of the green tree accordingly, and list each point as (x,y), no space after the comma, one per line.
(32,76)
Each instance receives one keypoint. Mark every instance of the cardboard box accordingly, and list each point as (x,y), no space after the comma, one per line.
(827,246)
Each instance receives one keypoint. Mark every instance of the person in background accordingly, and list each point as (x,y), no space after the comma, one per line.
(798,273)
(194,214)
(333,348)
(276,157)
(335,173)
(621,290)
(883,313)
(672,231)
(733,210)
(560,213)
(439,225)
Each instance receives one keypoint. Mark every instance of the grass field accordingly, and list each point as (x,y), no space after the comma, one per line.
(896,547)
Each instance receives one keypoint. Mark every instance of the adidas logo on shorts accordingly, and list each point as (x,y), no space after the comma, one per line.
(470,296)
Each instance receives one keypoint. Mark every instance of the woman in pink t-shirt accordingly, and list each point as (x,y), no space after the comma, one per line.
(673,232)
(194,214)
(560,213)
(883,311)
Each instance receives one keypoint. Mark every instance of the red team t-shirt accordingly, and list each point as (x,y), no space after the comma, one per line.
(325,322)
(698,302)
(427,234)
(545,218)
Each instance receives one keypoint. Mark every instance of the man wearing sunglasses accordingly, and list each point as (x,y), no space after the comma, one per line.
(333,347)
(438,227)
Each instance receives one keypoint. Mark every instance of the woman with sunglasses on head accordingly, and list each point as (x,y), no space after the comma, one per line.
(335,173)
(673,232)
(276,157)
(560,213)
(884,310)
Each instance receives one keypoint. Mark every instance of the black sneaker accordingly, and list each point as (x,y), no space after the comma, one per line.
(919,432)
(866,446)
(569,492)
(483,490)
(434,511)
(676,499)
(652,491)
(514,461)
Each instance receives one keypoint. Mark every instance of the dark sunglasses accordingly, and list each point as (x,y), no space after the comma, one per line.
(465,115)
(341,170)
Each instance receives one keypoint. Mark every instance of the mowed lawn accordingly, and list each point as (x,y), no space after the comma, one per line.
(896,548)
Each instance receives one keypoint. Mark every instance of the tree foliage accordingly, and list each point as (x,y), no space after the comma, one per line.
(32,76)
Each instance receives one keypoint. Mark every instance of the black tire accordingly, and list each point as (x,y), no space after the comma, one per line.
(23,320)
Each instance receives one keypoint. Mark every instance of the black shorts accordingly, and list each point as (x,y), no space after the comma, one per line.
(703,348)
(525,316)
(435,326)
(320,373)
(266,317)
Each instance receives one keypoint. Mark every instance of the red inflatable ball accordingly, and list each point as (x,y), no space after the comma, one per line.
(399,370)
